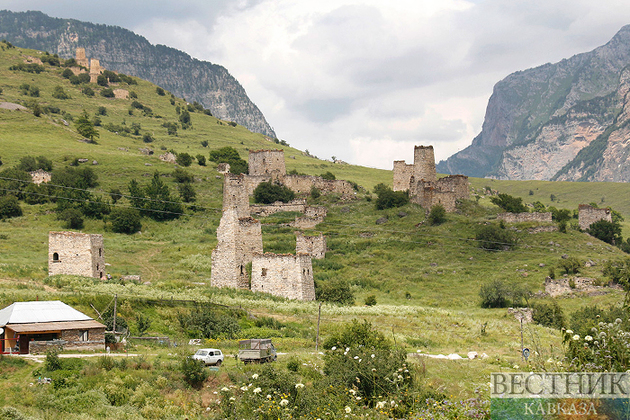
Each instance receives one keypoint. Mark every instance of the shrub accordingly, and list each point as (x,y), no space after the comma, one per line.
(72,217)
(184,159)
(187,192)
(589,316)
(59,93)
(328,175)
(570,265)
(495,238)
(389,199)
(107,93)
(84,77)
(9,207)
(52,361)
(85,127)
(67,73)
(269,192)
(210,322)
(193,371)
(182,176)
(125,220)
(147,138)
(101,80)
(509,203)
(315,194)
(229,155)
(160,205)
(499,294)
(160,91)
(370,300)
(201,160)
(548,315)
(115,194)
(334,291)
(606,231)
(437,215)
(293,365)
(204,143)
(87,91)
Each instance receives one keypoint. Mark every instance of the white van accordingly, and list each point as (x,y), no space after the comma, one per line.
(209,356)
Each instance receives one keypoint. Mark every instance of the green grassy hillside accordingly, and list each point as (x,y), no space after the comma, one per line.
(425,279)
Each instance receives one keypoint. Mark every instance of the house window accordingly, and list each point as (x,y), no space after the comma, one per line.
(83,335)
(55,257)
(100,252)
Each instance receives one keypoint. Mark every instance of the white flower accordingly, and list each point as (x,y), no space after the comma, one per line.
(348,409)
(284,403)
(333,348)
(372,356)
(588,338)
(255,376)
(244,388)
(298,386)
(381,404)
(232,399)
(569,332)
(257,391)
(358,398)
(399,376)
(268,396)
(347,348)
(356,357)
(515,367)
(225,389)
(576,337)
(352,391)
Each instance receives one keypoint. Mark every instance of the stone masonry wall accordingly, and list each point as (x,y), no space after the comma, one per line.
(40,176)
(76,253)
(402,175)
(315,246)
(302,184)
(289,276)
(81,59)
(266,210)
(235,194)
(424,163)
(70,340)
(525,217)
(428,197)
(587,215)
(456,183)
(95,70)
(238,239)
(267,162)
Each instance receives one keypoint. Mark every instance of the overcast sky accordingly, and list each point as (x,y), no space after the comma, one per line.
(364,80)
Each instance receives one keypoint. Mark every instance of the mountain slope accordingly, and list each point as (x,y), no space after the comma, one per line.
(121,50)
(538,120)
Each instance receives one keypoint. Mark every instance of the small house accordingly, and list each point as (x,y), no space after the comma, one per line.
(35,327)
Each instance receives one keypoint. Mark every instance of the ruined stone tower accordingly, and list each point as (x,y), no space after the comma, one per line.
(238,240)
(74,253)
(587,215)
(95,70)
(315,246)
(267,162)
(402,175)
(81,59)
(424,164)
(289,276)
(235,194)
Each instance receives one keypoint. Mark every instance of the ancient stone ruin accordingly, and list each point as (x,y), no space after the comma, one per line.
(420,179)
(315,246)
(286,275)
(40,176)
(268,165)
(587,215)
(74,253)
(525,217)
(240,243)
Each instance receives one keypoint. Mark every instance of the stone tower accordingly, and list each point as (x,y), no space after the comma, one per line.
(238,240)
(424,164)
(81,59)
(235,194)
(95,70)
(587,215)
(267,162)
(74,253)
(315,246)
(289,276)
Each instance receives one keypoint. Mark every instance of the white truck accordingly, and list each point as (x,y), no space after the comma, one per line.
(256,350)
(209,356)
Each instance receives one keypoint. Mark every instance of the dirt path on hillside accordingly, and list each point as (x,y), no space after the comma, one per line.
(149,272)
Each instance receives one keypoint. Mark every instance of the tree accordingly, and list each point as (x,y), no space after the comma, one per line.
(229,155)
(182,176)
(495,238)
(101,80)
(107,93)
(160,91)
(201,160)
(143,323)
(67,73)
(125,220)
(72,217)
(187,192)
(9,207)
(115,194)
(606,231)
(509,203)
(85,127)
(269,192)
(59,93)
(388,199)
(184,159)
(328,175)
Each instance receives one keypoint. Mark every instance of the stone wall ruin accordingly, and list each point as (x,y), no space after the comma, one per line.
(525,217)
(315,246)
(587,215)
(267,163)
(420,179)
(285,275)
(74,253)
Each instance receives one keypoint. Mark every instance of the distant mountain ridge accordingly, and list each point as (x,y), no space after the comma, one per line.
(121,50)
(562,121)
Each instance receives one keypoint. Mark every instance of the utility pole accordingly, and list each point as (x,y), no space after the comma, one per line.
(115,303)
(522,347)
(319,315)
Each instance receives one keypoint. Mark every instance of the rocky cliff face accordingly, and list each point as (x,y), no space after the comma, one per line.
(554,121)
(121,50)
